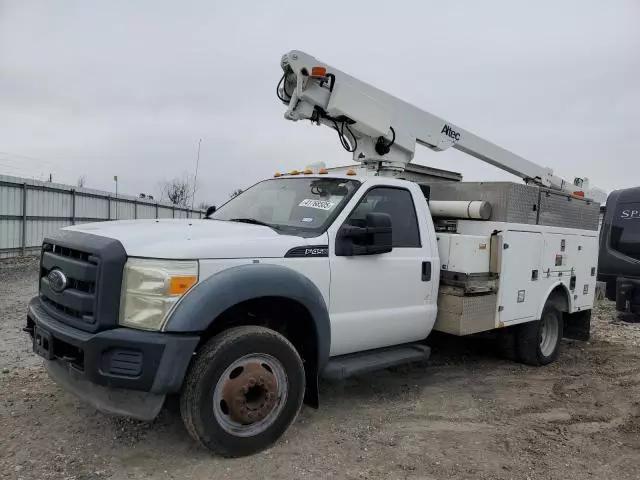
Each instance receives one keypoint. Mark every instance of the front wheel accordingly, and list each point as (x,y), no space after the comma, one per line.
(538,343)
(243,390)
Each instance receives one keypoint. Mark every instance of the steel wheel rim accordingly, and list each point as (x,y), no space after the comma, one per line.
(226,412)
(549,331)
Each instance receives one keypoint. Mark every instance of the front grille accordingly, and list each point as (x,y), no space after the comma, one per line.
(76,302)
(68,252)
(58,306)
(93,267)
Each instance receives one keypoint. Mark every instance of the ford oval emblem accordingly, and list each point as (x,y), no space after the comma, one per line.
(57,280)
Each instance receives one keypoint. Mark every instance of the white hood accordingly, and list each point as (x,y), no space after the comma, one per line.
(194,238)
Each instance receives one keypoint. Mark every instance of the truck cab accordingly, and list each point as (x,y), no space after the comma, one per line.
(333,230)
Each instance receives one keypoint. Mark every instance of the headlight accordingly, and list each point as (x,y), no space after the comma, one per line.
(151,287)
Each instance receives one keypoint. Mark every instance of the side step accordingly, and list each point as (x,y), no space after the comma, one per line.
(345,366)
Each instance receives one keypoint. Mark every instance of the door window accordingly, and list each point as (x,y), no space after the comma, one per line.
(398,204)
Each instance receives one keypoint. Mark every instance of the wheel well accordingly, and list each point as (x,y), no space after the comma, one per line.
(284,315)
(559,299)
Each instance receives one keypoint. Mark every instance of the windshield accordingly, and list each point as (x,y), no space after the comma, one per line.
(301,206)
(625,229)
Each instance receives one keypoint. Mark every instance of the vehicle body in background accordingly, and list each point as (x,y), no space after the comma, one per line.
(619,258)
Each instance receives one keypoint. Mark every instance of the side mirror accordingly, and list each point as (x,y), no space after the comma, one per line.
(210,211)
(374,237)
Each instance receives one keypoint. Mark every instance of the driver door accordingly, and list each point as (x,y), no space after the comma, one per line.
(382,299)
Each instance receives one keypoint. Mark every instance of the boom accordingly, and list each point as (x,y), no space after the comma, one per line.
(382,131)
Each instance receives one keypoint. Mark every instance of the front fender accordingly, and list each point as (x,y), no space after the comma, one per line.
(205,302)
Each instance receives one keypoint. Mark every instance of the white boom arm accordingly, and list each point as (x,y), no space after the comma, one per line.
(382,130)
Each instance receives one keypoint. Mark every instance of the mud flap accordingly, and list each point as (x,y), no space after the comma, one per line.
(577,326)
(312,392)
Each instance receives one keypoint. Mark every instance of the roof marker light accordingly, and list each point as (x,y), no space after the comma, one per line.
(318,71)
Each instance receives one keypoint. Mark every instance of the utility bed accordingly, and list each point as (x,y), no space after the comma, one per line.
(494,273)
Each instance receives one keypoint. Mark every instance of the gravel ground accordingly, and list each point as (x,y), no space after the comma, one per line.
(468,414)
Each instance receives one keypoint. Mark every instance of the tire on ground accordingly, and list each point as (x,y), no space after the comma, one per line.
(535,347)
(223,426)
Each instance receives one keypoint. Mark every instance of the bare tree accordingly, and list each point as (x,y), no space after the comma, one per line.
(178,193)
(178,190)
(82,180)
(203,206)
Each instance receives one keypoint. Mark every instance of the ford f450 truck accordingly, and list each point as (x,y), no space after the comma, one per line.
(309,275)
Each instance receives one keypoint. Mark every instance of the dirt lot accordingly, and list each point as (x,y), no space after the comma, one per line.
(469,414)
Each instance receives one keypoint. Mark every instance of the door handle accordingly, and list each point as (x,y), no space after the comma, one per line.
(426,271)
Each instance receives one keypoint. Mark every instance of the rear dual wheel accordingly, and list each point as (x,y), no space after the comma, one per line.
(538,343)
(243,390)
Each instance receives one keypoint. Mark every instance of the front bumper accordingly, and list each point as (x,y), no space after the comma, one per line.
(122,371)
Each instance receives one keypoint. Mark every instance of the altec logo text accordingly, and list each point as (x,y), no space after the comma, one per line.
(450,132)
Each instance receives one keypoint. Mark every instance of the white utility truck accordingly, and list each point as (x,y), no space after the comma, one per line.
(309,275)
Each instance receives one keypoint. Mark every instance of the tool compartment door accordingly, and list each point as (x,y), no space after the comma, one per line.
(586,270)
(520,273)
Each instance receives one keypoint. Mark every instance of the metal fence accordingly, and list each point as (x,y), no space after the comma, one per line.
(30,210)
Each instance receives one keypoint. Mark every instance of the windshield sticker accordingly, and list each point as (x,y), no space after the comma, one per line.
(307,219)
(319,204)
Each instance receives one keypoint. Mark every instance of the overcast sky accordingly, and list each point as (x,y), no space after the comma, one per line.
(127,88)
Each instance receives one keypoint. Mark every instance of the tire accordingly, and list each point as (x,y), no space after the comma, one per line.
(242,391)
(538,342)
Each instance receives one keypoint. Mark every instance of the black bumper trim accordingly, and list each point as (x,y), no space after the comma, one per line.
(165,357)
